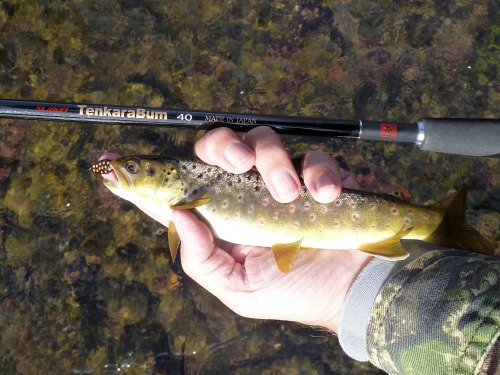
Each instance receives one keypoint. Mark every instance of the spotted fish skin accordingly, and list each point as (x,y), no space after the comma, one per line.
(240,209)
(243,211)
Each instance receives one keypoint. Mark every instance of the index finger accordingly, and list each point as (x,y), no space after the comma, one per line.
(223,148)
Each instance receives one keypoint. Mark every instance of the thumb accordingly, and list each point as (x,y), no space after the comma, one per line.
(201,259)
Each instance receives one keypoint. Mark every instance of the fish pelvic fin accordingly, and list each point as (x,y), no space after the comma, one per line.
(390,248)
(454,231)
(285,254)
(173,240)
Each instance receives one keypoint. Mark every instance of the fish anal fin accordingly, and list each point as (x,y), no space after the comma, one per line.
(191,204)
(454,231)
(173,240)
(285,254)
(390,248)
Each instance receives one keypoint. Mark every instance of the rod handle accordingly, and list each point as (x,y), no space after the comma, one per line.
(473,137)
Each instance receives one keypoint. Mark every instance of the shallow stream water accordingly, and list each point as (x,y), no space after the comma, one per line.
(86,282)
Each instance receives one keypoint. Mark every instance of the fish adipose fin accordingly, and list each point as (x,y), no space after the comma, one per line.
(454,231)
(285,254)
(183,205)
(173,240)
(389,249)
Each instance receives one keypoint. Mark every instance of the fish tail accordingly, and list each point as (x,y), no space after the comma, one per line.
(454,231)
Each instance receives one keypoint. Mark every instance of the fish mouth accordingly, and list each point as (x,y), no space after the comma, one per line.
(116,178)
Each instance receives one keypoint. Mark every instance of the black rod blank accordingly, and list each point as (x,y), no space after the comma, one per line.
(476,137)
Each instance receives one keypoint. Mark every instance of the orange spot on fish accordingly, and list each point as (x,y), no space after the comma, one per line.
(394,211)
(275,215)
(353,204)
(338,203)
(410,211)
(355,217)
(240,197)
(250,209)
(224,203)
(291,208)
(407,221)
(265,202)
(426,216)
(307,206)
(323,209)
(312,217)
(261,221)
(372,206)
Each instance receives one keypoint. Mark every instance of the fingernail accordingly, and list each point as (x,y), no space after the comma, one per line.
(326,186)
(237,153)
(284,185)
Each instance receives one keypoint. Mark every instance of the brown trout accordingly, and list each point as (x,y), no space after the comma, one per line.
(239,209)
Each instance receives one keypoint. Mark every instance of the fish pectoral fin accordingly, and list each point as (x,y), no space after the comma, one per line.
(285,254)
(390,248)
(183,205)
(173,240)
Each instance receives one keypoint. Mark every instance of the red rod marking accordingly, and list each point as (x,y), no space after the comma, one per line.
(388,130)
(52,109)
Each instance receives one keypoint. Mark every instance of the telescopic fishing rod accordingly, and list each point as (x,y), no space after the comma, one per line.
(474,137)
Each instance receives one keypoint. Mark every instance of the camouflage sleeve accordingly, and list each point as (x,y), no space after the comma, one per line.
(438,312)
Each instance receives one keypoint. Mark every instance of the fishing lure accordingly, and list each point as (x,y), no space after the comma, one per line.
(102,166)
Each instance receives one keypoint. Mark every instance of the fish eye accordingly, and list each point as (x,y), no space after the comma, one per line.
(132,166)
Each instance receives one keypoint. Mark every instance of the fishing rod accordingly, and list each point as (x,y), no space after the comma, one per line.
(473,137)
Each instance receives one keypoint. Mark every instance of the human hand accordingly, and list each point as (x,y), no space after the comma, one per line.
(245,278)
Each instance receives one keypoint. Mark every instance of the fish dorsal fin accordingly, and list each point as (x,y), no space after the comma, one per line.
(185,205)
(173,240)
(285,254)
(390,248)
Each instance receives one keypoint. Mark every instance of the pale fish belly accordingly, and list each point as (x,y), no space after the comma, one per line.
(348,222)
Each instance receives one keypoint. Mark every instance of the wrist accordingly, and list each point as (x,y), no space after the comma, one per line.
(349,265)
